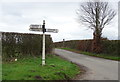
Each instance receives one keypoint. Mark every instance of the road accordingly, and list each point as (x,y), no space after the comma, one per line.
(96,68)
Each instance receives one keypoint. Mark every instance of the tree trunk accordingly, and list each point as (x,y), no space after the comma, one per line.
(96,44)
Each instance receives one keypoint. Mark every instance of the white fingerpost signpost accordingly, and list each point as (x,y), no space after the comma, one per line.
(41,28)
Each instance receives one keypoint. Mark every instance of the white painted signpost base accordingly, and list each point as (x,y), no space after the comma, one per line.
(43,50)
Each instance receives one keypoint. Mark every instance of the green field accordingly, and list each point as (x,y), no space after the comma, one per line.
(106,56)
(30,68)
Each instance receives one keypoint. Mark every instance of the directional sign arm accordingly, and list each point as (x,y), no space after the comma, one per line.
(36,29)
(52,30)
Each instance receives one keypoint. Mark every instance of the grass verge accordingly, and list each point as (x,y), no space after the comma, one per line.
(106,56)
(31,69)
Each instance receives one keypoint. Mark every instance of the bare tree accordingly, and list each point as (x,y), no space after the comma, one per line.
(96,15)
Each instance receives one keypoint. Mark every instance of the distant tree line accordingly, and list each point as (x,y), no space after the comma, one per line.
(23,44)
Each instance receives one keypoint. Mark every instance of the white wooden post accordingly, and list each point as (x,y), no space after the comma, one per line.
(43,50)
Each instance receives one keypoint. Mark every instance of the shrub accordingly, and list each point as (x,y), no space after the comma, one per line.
(23,44)
(110,47)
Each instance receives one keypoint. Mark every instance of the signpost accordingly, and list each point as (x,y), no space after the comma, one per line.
(41,28)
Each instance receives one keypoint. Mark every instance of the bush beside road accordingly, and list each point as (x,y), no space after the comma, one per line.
(109,47)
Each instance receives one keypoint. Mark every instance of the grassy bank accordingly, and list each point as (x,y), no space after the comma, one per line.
(31,69)
(106,56)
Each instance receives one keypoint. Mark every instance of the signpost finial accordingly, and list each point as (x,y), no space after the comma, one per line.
(43,22)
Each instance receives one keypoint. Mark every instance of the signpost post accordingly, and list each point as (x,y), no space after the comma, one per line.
(43,29)
(43,49)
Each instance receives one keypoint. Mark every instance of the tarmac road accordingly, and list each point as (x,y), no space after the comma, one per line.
(96,68)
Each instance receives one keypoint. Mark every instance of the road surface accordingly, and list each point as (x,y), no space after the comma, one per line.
(97,68)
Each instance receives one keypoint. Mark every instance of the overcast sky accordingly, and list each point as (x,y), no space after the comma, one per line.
(17,16)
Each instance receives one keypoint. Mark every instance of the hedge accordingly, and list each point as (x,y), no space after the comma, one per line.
(110,47)
(23,44)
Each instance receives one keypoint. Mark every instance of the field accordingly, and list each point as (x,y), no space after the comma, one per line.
(30,68)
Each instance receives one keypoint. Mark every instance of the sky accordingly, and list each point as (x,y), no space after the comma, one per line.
(17,16)
(119,20)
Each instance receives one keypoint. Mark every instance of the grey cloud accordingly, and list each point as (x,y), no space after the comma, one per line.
(18,16)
